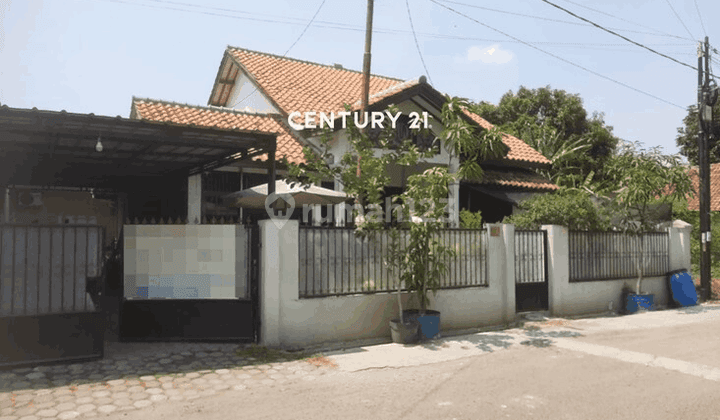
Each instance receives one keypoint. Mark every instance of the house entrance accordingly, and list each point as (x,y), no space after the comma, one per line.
(190,283)
(531,284)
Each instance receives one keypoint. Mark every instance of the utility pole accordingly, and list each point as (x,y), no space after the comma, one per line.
(366,69)
(704,117)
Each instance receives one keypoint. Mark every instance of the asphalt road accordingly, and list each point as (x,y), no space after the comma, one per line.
(663,365)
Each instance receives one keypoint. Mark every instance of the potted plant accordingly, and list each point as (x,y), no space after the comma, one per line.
(646,178)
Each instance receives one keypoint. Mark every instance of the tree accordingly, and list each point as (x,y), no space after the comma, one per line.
(556,124)
(421,208)
(645,177)
(687,136)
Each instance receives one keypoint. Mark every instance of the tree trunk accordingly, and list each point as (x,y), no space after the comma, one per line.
(640,263)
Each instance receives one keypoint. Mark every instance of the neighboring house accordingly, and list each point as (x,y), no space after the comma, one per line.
(259,91)
(694,201)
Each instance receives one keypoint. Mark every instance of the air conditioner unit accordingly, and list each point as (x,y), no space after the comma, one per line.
(29,199)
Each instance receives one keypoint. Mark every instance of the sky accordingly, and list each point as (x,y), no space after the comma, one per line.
(93,56)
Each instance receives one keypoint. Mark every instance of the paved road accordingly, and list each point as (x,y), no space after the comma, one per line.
(661,365)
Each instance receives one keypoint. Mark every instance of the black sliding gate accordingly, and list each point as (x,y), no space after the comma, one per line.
(531,279)
(192,319)
(46,312)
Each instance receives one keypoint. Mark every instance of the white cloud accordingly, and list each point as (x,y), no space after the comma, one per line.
(489,55)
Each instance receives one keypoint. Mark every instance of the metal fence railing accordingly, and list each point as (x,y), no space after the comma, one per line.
(614,255)
(334,261)
(530,257)
(44,268)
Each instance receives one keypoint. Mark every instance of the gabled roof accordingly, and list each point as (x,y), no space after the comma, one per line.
(302,86)
(694,202)
(518,179)
(288,145)
(296,85)
(519,150)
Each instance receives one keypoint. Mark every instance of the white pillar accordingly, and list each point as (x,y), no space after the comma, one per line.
(558,267)
(679,246)
(195,198)
(508,235)
(279,276)
(454,195)
(339,208)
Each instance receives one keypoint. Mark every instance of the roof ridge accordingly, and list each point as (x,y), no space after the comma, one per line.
(208,107)
(330,66)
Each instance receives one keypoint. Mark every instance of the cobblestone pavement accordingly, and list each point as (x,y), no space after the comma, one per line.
(136,380)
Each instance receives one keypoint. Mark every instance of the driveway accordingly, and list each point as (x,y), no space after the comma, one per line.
(662,365)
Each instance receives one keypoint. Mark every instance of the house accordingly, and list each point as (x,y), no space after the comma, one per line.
(694,201)
(70,183)
(266,92)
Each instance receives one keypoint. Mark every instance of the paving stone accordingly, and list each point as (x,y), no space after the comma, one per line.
(139,396)
(147,378)
(142,403)
(26,411)
(116,382)
(154,391)
(100,394)
(107,409)
(67,415)
(47,413)
(192,375)
(90,414)
(158,397)
(21,418)
(84,408)
(103,401)
(65,406)
(239,387)
(121,395)
(6,411)
(24,397)
(35,375)
(122,402)
(135,389)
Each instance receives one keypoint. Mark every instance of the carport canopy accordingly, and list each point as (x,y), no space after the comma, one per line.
(49,148)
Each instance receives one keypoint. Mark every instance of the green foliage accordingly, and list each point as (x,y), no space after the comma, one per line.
(421,208)
(556,124)
(686,138)
(470,220)
(681,212)
(571,208)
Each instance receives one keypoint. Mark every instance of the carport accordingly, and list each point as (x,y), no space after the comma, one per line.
(48,268)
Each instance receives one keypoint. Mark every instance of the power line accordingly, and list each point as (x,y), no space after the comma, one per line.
(678,17)
(417,45)
(623,19)
(560,58)
(288,50)
(656,33)
(618,35)
(697,8)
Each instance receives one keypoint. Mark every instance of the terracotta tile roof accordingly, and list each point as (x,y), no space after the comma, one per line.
(520,179)
(694,202)
(302,86)
(519,150)
(288,145)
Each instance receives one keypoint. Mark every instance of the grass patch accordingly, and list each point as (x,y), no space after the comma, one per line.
(260,355)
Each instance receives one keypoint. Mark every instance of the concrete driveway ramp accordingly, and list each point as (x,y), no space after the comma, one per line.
(682,288)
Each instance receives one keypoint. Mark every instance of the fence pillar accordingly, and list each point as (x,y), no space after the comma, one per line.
(500,260)
(195,198)
(558,266)
(679,245)
(278,277)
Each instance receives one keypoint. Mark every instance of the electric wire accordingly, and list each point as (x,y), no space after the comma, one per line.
(558,57)
(678,18)
(655,33)
(417,45)
(697,8)
(623,19)
(618,35)
(286,51)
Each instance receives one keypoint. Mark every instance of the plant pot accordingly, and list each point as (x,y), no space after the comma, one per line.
(429,322)
(635,302)
(406,333)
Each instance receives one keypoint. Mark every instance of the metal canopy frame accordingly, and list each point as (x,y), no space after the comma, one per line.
(58,148)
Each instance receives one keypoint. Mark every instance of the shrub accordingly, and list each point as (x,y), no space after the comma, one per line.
(571,208)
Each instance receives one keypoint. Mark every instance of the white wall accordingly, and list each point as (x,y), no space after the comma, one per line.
(247,92)
(586,297)
(287,320)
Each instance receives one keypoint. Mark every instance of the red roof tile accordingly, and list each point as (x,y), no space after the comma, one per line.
(694,202)
(519,150)
(521,179)
(303,86)
(225,118)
